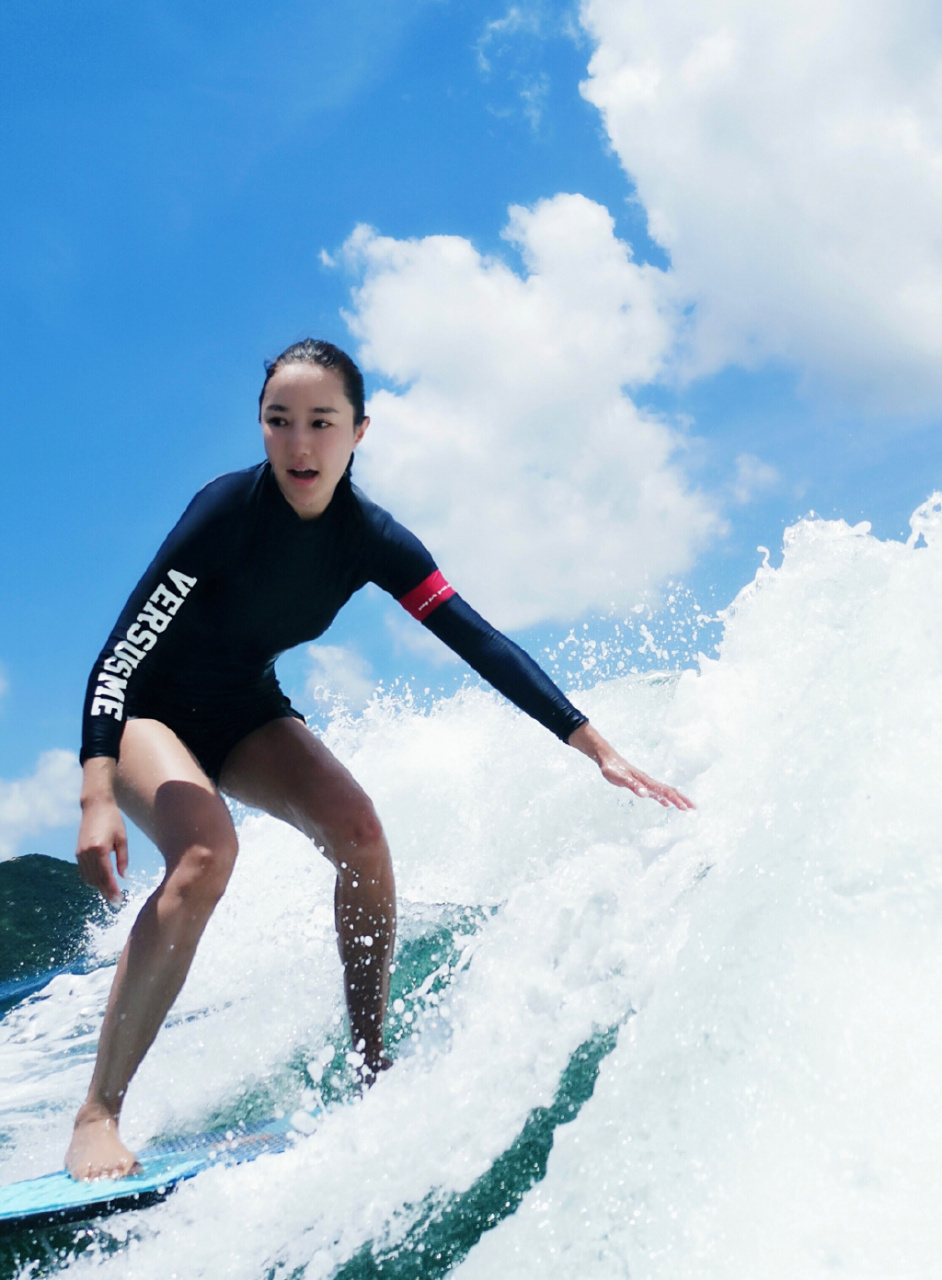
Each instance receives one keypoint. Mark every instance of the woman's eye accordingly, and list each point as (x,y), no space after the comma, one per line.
(277,422)
(320,423)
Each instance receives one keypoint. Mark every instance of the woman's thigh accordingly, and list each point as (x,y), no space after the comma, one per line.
(287,771)
(163,790)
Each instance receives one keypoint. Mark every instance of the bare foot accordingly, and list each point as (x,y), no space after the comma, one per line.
(371,1069)
(96,1150)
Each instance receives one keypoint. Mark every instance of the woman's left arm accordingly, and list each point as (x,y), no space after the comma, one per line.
(514,673)
(616,770)
(400,561)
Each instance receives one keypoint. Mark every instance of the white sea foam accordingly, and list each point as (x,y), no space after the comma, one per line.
(775,1109)
(771,1108)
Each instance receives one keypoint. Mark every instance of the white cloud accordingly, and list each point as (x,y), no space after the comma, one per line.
(789,156)
(409,638)
(533,95)
(517,19)
(338,674)
(49,798)
(514,47)
(512,448)
(753,476)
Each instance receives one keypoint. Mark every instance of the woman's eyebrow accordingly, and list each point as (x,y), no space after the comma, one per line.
(283,408)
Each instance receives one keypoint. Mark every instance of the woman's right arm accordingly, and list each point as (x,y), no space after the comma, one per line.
(192,552)
(102,831)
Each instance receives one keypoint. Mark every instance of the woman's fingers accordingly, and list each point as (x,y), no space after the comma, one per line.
(99,834)
(622,774)
(121,852)
(668,795)
(617,770)
(96,870)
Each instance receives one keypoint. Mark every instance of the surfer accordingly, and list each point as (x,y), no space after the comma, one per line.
(183,707)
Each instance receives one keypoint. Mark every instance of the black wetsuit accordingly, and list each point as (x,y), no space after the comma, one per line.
(242,578)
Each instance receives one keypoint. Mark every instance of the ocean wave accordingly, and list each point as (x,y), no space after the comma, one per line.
(630,1042)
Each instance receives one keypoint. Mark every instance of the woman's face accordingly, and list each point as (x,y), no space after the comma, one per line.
(307,422)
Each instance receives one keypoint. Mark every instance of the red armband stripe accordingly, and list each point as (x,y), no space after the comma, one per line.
(427,596)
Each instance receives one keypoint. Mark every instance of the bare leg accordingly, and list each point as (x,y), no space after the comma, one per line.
(285,770)
(166,793)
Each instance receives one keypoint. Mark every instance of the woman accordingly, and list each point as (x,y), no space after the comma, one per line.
(183,705)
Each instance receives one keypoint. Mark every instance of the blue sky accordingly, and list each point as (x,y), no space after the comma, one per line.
(183,185)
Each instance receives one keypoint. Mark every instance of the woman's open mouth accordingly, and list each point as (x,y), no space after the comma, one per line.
(305,475)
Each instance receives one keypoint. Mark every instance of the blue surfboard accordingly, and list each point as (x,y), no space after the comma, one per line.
(57,1197)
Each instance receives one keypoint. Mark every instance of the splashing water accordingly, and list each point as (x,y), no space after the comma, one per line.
(630,1042)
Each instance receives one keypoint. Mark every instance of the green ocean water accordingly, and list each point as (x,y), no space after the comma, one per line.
(45,913)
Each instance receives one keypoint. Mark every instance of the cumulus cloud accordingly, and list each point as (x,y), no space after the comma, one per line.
(48,798)
(789,157)
(511,445)
(338,674)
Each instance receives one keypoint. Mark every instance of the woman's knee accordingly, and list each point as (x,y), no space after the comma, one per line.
(202,872)
(363,829)
(355,836)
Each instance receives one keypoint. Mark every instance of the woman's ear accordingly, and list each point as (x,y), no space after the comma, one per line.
(360,431)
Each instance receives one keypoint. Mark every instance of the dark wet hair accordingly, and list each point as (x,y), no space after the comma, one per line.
(314,351)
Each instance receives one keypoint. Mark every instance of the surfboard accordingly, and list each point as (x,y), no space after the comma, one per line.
(56,1197)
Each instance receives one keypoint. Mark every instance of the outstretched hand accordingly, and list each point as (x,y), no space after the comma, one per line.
(616,770)
(102,832)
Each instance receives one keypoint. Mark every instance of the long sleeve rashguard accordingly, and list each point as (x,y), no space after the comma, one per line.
(241,578)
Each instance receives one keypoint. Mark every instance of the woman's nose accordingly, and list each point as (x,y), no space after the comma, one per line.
(299,440)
